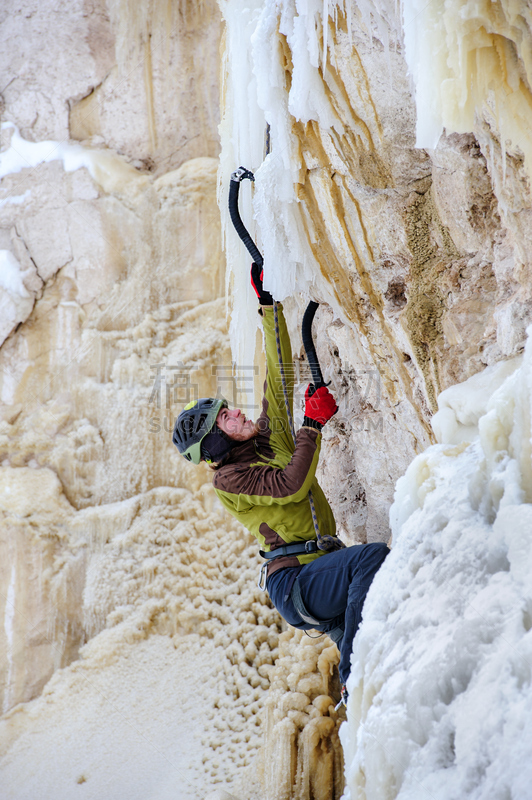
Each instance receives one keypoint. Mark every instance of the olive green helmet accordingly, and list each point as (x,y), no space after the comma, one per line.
(193,424)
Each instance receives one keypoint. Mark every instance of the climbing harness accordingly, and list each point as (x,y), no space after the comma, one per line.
(323,542)
(336,633)
(296,549)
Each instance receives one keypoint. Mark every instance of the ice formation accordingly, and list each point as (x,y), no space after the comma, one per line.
(303,757)
(178,631)
(256,94)
(440,688)
(469,61)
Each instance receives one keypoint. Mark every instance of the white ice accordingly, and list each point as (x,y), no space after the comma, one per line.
(11,274)
(256,96)
(440,690)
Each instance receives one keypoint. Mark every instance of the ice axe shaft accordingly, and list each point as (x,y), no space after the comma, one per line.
(306,328)
(308,344)
(234,188)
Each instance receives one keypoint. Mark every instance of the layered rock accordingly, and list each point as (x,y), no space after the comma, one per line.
(129,599)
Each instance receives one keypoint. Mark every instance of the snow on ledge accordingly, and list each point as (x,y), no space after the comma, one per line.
(16,302)
(108,169)
(111,172)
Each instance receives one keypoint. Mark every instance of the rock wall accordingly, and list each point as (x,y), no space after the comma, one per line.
(421,257)
(128,598)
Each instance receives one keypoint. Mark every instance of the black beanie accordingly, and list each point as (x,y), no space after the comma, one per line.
(216,446)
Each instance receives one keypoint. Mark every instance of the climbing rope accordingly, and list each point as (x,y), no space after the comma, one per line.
(325,542)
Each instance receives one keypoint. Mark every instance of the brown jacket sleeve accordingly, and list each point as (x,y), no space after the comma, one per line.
(264,485)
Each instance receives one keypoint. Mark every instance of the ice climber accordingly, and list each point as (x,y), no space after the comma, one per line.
(263,481)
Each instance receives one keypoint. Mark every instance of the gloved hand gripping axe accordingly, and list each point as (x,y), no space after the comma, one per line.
(324,541)
(306,326)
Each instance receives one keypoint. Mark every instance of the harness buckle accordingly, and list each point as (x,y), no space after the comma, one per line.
(261,583)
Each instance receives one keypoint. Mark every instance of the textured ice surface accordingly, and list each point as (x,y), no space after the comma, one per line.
(440,691)
(468,59)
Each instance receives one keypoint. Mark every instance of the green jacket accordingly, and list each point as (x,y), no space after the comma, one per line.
(265,481)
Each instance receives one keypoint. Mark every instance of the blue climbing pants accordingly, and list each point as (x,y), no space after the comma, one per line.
(328,594)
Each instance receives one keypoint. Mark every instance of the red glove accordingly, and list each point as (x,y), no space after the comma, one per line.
(257,274)
(320,405)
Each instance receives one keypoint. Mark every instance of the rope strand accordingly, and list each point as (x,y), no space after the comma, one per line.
(324,542)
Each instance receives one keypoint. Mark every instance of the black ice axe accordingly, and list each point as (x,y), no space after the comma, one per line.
(306,326)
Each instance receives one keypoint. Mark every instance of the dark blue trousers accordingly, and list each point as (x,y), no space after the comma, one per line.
(330,591)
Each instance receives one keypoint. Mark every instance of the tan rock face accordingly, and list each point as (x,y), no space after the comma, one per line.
(159,103)
(422,255)
(118,280)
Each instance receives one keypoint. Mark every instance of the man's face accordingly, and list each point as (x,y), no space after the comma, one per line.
(234,423)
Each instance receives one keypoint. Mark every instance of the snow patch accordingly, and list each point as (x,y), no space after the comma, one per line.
(132,701)
(12,274)
(15,200)
(16,302)
(110,171)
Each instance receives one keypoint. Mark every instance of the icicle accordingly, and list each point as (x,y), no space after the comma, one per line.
(325,26)
(242,135)
(461,55)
